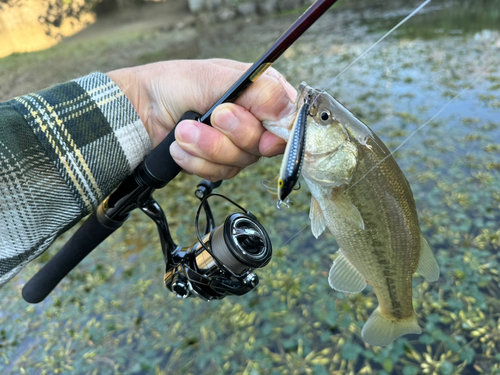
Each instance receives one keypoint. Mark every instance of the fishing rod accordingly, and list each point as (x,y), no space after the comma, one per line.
(219,264)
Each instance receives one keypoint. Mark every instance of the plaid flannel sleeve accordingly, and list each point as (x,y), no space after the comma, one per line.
(62,151)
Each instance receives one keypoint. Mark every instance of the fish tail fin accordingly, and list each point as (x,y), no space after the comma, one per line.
(380,330)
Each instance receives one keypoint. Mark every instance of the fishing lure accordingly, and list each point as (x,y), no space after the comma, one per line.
(294,154)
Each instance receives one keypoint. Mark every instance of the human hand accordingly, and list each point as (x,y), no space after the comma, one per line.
(162,92)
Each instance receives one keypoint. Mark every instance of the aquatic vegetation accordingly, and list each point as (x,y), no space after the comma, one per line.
(113,316)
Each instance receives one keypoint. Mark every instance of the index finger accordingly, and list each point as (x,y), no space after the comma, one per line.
(270,72)
(245,130)
(271,97)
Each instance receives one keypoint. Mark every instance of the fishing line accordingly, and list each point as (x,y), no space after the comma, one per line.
(295,235)
(424,124)
(373,45)
(351,64)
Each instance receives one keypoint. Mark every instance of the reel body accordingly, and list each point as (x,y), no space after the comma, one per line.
(223,261)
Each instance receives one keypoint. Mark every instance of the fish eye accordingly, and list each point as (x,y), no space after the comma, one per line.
(325,116)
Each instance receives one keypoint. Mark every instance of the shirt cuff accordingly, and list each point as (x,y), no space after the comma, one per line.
(90,131)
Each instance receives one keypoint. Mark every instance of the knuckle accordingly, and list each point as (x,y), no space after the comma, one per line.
(249,142)
(212,172)
(208,77)
(270,92)
(221,173)
(271,72)
(216,151)
(212,178)
(254,160)
(249,160)
(188,163)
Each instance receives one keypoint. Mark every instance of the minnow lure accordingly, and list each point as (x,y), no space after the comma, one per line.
(294,153)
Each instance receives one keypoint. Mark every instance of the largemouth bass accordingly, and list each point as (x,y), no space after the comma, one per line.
(362,196)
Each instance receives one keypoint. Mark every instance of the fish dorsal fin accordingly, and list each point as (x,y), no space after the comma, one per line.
(317,218)
(348,210)
(344,277)
(427,265)
(271,186)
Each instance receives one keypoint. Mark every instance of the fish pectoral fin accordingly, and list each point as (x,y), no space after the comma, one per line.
(427,265)
(380,330)
(317,218)
(344,277)
(348,210)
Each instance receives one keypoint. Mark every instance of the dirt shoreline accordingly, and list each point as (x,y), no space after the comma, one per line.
(165,16)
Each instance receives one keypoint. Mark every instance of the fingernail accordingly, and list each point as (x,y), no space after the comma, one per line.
(188,132)
(225,119)
(177,152)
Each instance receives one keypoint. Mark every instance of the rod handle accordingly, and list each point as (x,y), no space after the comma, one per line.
(87,238)
(159,167)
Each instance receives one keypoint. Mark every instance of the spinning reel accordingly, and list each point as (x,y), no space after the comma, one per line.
(223,260)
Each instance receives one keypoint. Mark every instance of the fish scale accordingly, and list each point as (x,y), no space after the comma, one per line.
(394,238)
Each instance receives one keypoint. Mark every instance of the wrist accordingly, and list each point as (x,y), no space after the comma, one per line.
(140,86)
(130,83)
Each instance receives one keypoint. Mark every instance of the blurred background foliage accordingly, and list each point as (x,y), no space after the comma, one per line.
(29,25)
(56,10)
(112,314)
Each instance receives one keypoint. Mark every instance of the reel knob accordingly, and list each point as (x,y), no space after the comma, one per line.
(181,287)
